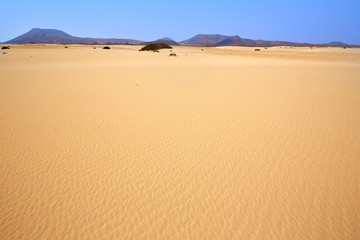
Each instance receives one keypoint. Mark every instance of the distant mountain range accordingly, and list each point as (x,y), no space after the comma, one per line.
(221,40)
(53,36)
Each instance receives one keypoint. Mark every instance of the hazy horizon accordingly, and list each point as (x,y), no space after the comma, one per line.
(305,21)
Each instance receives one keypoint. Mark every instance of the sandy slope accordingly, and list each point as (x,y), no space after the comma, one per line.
(225,143)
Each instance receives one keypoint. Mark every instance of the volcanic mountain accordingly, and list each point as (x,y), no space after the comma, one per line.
(166,40)
(53,36)
(204,39)
(223,40)
(336,43)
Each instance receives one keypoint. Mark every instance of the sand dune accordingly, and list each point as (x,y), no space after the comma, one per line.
(224,143)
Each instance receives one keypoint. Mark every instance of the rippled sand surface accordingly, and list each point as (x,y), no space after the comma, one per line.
(219,143)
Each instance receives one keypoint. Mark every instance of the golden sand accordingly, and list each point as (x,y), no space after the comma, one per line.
(224,143)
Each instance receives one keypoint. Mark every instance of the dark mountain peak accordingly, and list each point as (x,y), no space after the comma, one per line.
(38,35)
(217,40)
(166,40)
(205,39)
(337,43)
(210,36)
(46,32)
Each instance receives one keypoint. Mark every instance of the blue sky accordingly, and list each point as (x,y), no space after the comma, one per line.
(299,21)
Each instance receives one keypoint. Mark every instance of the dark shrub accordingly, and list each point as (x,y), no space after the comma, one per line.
(5,47)
(172,54)
(106,47)
(257,49)
(155,47)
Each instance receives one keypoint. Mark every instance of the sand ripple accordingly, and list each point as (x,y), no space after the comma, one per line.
(125,145)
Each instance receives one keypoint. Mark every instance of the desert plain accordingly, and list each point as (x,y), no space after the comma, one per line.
(216,143)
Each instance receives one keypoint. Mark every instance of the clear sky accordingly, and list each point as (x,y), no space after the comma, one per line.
(299,21)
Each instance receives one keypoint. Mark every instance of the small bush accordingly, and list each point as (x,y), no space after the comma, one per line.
(155,47)
(257,49)
(172,54)
(106,47)
(5,47)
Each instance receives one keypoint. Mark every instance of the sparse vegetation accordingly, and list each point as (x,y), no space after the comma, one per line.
(172,54)
(66,47)
(5,47)
(155,47)
(257,49)
(106,47)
